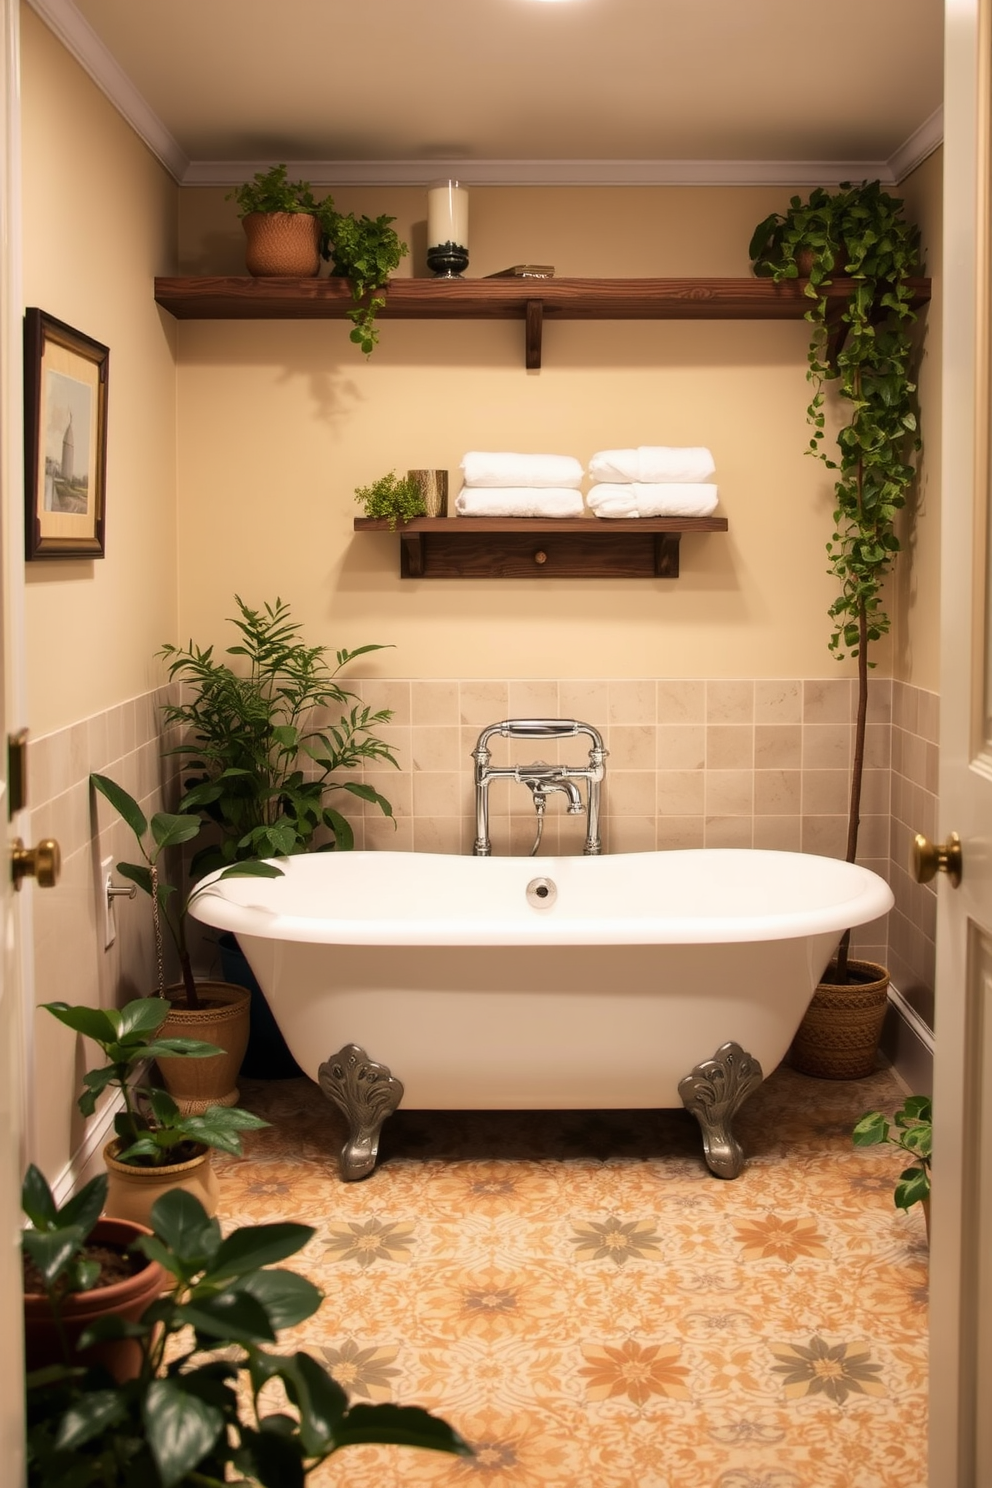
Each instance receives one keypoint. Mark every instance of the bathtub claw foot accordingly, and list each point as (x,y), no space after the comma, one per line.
(365,1093)
(714,1092)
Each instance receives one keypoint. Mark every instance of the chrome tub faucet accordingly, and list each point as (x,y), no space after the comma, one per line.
(542,779)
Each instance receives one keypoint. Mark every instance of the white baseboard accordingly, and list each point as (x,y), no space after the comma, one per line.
(87,1160)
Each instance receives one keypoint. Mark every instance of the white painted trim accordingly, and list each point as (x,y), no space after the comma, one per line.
(81,41)
(550,172)
(78,37)
(912,1019)
(913,152)
(87,1159)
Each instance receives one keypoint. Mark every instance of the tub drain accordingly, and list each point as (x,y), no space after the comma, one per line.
(541,893)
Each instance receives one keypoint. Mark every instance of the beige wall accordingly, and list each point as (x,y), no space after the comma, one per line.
(280,421)
(99,223)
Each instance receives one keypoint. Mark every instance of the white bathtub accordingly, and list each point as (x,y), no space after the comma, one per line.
(623,987)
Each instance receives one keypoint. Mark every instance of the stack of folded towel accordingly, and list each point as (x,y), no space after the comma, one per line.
(652,481)
(504,484)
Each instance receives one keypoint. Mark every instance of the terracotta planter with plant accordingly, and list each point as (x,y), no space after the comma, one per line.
(132,1190)
(860,233)
(79,1268)
(282,244)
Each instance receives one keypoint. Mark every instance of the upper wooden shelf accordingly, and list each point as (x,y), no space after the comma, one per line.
(216,297)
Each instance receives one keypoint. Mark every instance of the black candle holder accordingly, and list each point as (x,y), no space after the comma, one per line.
(447,260)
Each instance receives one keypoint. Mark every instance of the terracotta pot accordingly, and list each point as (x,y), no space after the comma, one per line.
(224,1020)
(133,1190)
(127,1299)
(282,244)
(838,1037)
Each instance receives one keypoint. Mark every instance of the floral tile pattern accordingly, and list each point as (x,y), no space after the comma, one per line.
(588,1305)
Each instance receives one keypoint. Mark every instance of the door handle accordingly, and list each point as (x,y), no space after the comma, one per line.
(929,858)
(42,863)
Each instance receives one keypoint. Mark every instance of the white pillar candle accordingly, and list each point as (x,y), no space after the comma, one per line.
(447,214)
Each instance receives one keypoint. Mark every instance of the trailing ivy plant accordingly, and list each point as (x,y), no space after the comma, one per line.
(258,751)
(397,497)
(365,251)
(867,352)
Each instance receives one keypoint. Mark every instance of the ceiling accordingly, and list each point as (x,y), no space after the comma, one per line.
(637,81)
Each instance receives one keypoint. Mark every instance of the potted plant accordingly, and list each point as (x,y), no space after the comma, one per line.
(218,1012)
(182,1422)
(866,352)
(398,498)
(282,224)
(157,1146)
(912,1133)
(365,251)
(78,1268)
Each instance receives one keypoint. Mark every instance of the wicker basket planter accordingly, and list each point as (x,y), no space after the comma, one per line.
(838,1037)
(282,243)
(224,1020)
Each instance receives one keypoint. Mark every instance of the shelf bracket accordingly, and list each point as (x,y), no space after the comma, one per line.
(535,327)
(411,555)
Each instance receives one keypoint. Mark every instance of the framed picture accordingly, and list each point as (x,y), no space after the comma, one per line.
(65,440)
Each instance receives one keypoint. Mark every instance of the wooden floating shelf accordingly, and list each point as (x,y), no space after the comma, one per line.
(531,547)
(533,301)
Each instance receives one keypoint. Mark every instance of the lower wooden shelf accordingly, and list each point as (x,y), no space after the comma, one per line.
(532,547)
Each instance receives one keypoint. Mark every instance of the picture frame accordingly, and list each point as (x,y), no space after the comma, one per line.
(65,440)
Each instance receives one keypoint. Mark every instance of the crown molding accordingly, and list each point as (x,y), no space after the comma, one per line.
(78,37)
(923,142)
(81,41)
(549,172)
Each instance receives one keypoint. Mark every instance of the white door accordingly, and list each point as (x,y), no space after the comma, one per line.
(961,1252)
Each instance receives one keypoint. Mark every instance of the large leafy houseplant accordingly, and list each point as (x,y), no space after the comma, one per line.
(258,756)
(170,907)
(861,345)
(181,1422)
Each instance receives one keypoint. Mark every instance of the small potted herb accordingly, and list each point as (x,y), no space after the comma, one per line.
(397,498)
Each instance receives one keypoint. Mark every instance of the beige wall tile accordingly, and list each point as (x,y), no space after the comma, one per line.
(928,721)
(876,790)
(729,746)
(398,791)
(730,702)
(873,837)
(878,746)
(827,701)
(536,699)
(633,702)
(438,834)
(825,835)
(433,703)
(680,832)
(400,741)
(681,702)
(382,836)
(681,746)
(825,792)
(826,746)
(632,834)
(777,793)
(778,746)
(778,833)
(386,692)
(630,793)
(437,748)
(481,703)
(632,747)
(588,701)
(438,793)
(681,792)
(729,793)
(728,831)
(778,702)
(879,700)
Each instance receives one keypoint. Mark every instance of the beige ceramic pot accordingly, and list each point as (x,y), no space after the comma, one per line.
(127,1299)
(838,1037)
(132,1190)
(282,244)
(224,1020)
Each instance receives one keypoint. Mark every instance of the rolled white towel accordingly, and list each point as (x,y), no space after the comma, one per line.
(519,501)
(504,468)
(653,462)
(657,499)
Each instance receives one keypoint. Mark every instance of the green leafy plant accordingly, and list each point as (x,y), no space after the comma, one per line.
(151,1129)
(54,1240)
(397,497)
(259,756)
(180,1423)
(169,907)
(912,1134)
(272,191)
(866,351)
(365,251)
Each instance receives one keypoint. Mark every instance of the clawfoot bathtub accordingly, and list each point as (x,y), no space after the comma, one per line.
(634,980)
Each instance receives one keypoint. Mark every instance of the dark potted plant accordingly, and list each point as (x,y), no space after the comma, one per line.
(157,1146)
(365,251)
(181,1421)
(282,224)
(865,350)
(215,1011)
(77,1268)
(911,1130)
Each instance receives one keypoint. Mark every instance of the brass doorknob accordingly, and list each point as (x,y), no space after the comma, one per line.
(42,863)
(929,858)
